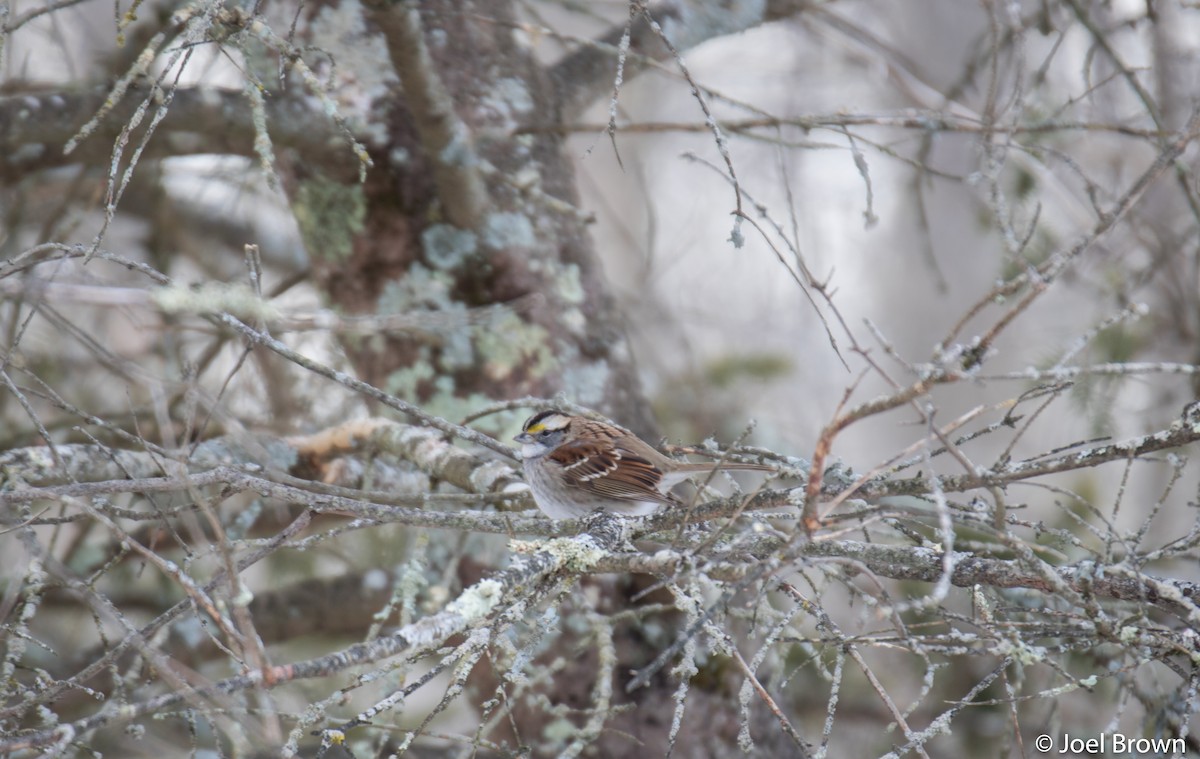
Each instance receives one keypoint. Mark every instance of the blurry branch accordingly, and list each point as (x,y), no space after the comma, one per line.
(1183,431)
(255,337)
(1180,598)
(251,461)
(923,121)
(345,604)
(201,120)
(227,481)
(258,337)
(1153,108)
(586,75)
(11,26)
(1038,278)
(136,638)
(926,564)
(504,592)
(84,463)
(498,601)
(802,275)
(424,447)
(270,465)
(239,300)
(446,138)
(31,476)
(697,94)
(1033,281)
(905,78)
(1103,43)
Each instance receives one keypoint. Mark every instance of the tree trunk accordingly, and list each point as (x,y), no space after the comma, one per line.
(458,214)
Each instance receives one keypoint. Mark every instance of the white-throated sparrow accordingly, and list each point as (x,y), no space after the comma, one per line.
(575,465)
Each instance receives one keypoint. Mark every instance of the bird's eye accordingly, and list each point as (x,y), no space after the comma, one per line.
(544,434)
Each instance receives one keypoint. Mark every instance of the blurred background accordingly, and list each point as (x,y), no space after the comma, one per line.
(466,204)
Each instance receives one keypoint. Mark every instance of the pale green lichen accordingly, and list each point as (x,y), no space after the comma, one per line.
(514,92)
(214,297)
(420,288)
(403,382)
(363,73)
(477,601)
(575,322)
(513,342)
(243,598)
(507,230)
(458,352)
(441,396)
(435,597)
(559,731)
(448,247)
(1021,651)
(329,215)
(263,147)
(458,150)
(570,285)
(508,99)
(526,178)
(574,554)
(586,382)
(444,403)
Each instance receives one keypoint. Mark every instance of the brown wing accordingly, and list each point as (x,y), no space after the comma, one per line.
(609,471)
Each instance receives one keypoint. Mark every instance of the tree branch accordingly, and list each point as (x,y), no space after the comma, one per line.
(202,120)
(447,140)
(585,75)
(474,606)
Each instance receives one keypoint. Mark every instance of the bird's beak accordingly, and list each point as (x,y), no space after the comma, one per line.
(524,437)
